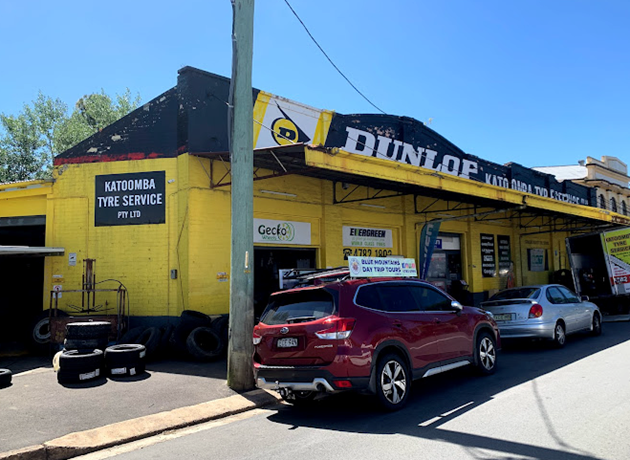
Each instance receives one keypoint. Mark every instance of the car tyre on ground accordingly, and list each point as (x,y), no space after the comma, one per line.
(76,366)
(486,353)
(125,359)
(132,334)
(596,326)
(393,382)
(5,378)
(559,335)
(150,338)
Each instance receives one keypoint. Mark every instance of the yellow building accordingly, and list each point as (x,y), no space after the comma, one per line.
(148,199)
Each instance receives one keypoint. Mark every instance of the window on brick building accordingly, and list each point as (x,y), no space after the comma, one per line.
(602,202)
(624,209)
(613,205)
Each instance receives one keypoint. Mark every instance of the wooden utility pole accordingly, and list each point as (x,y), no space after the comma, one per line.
(240,375)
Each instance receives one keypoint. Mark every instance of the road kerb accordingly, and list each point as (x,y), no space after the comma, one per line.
(25,453)
(83,442)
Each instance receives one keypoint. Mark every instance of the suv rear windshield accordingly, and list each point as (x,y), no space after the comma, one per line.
(298,307)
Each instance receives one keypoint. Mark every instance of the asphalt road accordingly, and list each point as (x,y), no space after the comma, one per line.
(542,404)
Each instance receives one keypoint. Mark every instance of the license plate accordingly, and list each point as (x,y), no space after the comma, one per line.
(287,342)
(503,317)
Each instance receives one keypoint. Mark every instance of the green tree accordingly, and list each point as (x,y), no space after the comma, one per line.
(43,129)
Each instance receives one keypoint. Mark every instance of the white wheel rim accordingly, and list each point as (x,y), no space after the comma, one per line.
(393,382)
(487,353)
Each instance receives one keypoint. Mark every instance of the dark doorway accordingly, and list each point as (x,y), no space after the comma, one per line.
(268,261)
(23,277)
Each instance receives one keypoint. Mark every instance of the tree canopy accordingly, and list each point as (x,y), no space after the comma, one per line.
(44,128)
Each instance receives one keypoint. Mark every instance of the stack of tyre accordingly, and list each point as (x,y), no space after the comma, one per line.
(196,336)
(86,355)
(82,357)
(199,336)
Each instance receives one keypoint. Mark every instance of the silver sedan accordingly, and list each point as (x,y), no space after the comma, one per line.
(547,311)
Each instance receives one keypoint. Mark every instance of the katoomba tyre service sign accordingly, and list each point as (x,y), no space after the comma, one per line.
(130,199)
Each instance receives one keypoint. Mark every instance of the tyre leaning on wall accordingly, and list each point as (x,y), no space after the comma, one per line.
(204,344)
(150,338)
(40,330)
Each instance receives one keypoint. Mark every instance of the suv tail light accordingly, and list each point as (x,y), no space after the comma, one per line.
(336,328)
(536,311)
(255,337)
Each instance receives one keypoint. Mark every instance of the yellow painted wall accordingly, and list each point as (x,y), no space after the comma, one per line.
(195,239)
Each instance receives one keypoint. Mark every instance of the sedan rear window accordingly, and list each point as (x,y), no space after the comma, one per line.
(520,293)
(298,307)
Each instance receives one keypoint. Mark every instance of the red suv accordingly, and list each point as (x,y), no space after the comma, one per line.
(368,335)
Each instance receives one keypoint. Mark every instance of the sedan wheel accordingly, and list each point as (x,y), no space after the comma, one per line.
(596,328)
(392,382)
(486,353)
(559,335)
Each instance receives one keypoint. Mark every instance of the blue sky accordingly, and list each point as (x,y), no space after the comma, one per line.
(538,82)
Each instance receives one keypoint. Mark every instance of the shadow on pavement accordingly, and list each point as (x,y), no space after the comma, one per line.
(444,397)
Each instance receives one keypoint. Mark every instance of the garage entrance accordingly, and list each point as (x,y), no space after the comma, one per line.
(22,276)
(268,261)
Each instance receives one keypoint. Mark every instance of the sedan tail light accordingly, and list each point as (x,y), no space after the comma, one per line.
(536,311)
(336,328)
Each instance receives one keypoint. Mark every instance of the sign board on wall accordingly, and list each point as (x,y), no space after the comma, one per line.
(488,260)
(367,237)
(375,267)
(505,253)
(282,232)
(130,199)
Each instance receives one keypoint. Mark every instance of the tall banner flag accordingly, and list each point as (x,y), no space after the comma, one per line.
(428,236)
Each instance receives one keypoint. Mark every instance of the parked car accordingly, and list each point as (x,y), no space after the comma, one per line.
(546,311)
(367,335)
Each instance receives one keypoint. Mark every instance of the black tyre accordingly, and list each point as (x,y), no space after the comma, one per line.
(204,344)
(221,327)
(125,360)
(486,353)
(150,338)
(166,332)
(131,336)
(596,325)
(85,344)
(40,331)
(393,382)
(76,366)
(559,335)
(5,377)
(88,330)
(192,319)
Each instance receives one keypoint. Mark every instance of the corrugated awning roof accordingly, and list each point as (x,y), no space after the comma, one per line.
(33,251)
(338,166)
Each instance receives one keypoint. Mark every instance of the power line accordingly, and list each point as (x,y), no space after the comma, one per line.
(330,60)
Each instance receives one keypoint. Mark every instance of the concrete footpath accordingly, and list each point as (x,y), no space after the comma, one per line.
(43,420)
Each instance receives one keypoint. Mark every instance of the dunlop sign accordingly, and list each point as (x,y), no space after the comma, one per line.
(130,199)
(282,232)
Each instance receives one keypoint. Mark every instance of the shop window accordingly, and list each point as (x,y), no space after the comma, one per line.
(602,202)
(624,209)
(613,205)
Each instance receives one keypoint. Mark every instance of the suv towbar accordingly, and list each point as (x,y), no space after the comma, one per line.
(318,384)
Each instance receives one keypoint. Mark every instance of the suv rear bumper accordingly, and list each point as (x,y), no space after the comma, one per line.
(318,384)
(307,378)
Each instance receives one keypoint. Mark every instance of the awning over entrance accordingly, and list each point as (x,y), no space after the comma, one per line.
(362,178)
(30,251)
